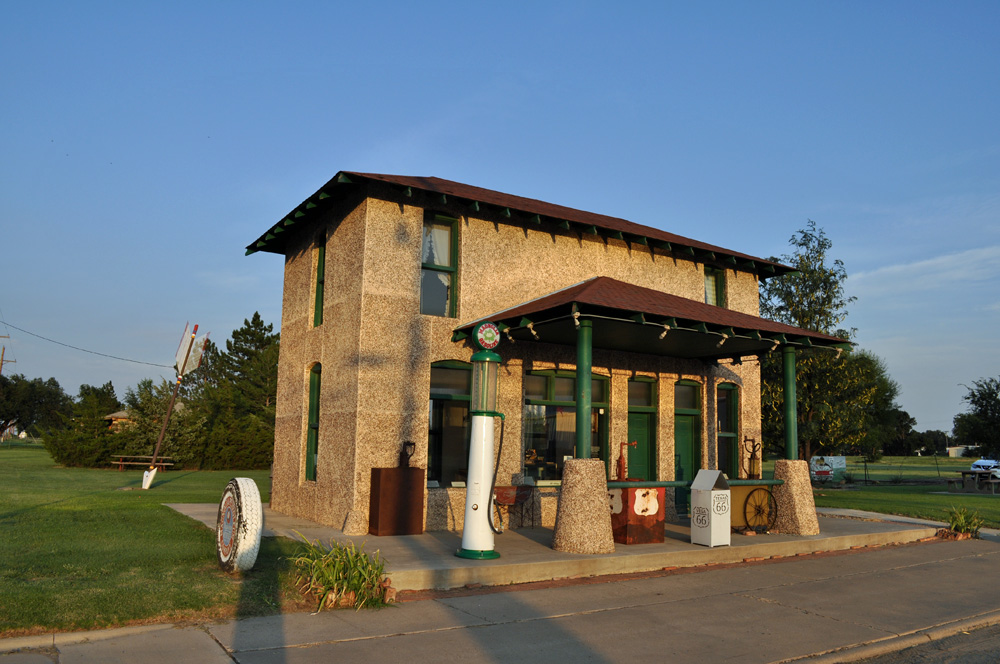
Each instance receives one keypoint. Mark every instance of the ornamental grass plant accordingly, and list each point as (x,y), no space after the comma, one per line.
(341,575)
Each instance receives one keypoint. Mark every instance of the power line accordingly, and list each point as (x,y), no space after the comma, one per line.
(92,352)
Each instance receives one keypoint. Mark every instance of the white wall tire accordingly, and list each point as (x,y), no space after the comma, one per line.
(239,525)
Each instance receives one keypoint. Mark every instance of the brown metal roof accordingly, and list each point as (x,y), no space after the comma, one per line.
(634,318)
(633,232)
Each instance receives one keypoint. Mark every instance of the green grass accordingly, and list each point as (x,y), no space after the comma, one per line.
(893,469)
(921,501)
(85,548)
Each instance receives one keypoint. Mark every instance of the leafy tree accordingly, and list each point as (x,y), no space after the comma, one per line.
(235,393)
(927,442)
(981,424)
(87,439)
(147,406)
(844,399)
(32,405)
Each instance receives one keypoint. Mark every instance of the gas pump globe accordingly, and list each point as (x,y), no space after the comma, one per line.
(477,532)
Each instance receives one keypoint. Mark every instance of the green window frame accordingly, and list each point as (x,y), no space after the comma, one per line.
(715,286)
(312,427)
(439,266)
(547,395)
(320,278)
(449,422)
(727,415)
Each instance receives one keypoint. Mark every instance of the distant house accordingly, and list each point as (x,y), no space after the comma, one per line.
(384,278)
(117,419)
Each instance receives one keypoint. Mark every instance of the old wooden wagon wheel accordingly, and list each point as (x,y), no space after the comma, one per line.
(760,510)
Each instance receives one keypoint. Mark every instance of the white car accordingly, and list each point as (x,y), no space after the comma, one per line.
(985,464)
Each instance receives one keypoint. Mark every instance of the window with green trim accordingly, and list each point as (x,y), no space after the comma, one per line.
(320,277)
(312,431)
(727,410)
(549,422)
(449,430)
(715,286)
(439,266)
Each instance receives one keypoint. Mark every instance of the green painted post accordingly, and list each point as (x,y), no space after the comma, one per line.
(584,367)
(791,404)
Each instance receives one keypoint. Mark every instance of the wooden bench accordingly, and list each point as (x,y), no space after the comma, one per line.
(122,460)
(993,484)
(956,482)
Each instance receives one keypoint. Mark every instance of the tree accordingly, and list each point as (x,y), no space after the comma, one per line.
(235,393)
(147,406)
(981,424)
(32,405)
(844,399)
(87,439)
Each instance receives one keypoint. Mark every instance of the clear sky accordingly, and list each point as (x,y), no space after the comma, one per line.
(144,145)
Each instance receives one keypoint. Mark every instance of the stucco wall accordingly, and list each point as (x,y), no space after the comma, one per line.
(376,348)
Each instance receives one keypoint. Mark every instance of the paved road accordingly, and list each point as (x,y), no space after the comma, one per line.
(980,646)
(770,612)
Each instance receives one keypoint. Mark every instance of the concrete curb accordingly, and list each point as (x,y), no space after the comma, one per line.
(899,642)
(71,638)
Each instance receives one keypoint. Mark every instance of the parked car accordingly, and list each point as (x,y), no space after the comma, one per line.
(985,464)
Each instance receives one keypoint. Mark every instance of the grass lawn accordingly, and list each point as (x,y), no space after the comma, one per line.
(918,501)
(87,548)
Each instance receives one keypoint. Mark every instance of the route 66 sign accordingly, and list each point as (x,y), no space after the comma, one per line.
(486,335)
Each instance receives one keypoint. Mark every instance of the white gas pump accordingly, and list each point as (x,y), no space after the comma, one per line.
(477,533)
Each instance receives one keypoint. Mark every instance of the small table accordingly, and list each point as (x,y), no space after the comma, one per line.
(978,476)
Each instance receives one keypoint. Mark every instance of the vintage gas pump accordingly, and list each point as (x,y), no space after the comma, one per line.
(477,533)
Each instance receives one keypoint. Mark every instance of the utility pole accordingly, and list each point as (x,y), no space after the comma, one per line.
(3,350)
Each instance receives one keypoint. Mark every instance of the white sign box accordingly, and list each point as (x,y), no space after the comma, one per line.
(711,503)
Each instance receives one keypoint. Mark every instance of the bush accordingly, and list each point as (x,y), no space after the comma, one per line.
(343,575)
(960,521)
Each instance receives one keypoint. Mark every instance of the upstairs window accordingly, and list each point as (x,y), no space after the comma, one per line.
(320,277)
(438,263)
(715,287)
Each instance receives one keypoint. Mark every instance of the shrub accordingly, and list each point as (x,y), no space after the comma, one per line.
(960,521)
(342,575)
(848,478)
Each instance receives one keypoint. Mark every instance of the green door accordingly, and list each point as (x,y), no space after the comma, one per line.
(686,458)
(640,458)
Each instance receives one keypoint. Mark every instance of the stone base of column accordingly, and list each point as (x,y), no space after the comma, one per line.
(583,518)
(796,507)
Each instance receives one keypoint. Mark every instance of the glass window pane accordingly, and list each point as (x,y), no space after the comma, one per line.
(640,393)
(435,293)
(686,396)
(549,436)
(565,389)
(710,288)
(723,410)
(598,391)
(436,248)
(534,387)
(448,441)
(450,381)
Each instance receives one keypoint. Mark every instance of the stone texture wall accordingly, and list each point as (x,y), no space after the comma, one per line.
(376,348)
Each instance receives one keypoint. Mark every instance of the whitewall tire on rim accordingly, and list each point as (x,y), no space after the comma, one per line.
(238,526)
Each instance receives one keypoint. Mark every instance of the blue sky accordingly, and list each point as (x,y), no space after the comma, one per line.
(144,146)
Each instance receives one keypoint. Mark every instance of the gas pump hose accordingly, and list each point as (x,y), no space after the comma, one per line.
(493,509)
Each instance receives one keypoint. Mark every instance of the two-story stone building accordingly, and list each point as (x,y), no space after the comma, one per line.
(384,278)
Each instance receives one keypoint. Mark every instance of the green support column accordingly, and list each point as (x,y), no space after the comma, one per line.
(791,404)
(584,367)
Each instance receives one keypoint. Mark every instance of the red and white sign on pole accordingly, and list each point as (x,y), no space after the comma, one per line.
(190,351)
(189,355)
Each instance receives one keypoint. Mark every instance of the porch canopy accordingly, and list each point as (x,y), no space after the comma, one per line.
(609,314)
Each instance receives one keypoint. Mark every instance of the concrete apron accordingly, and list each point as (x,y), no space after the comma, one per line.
(427,561)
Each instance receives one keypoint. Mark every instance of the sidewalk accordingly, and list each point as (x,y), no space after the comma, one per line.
(834,607)
(419,562)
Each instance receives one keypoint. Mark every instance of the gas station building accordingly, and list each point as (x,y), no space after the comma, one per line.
(386,276)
